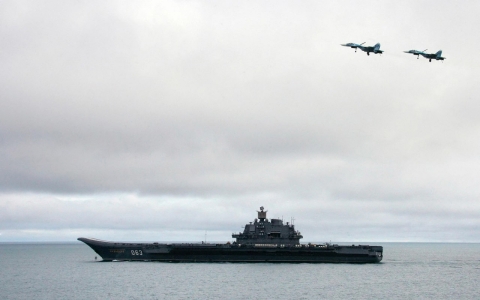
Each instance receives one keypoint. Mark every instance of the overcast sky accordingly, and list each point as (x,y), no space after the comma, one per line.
(166,120)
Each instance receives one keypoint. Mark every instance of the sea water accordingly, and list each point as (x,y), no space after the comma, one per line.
(408,271)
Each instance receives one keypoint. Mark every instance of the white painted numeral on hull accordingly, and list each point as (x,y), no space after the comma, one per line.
(136,252)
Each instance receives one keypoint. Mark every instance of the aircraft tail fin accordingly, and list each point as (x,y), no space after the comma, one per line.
(438,55)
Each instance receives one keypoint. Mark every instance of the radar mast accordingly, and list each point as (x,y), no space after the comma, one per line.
(262,215)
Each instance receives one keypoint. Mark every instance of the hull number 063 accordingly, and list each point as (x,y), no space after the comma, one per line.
(137,252)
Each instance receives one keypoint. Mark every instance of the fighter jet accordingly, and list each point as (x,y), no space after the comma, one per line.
(375,49)
(429,56)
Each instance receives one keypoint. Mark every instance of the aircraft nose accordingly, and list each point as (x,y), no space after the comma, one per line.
(407,51)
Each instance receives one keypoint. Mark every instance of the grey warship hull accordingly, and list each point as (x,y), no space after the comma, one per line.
(262,240)
(186,252)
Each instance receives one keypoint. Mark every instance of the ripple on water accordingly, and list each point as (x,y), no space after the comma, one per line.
(70,272)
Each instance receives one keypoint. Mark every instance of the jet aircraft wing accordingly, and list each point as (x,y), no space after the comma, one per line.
(353,45)
(374,49)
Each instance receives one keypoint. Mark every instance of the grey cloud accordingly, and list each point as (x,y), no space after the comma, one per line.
(221,102)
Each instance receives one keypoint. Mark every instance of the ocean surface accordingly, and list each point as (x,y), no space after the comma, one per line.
(408,271)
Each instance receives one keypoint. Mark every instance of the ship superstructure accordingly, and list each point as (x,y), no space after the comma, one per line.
(263,231)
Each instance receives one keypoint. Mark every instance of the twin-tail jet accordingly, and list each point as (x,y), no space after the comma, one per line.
(429,56)
(374,49)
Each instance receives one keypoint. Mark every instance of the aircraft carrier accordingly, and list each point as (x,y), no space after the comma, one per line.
(262,240)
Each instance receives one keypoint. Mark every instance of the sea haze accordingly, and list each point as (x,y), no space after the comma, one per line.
(408,271)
